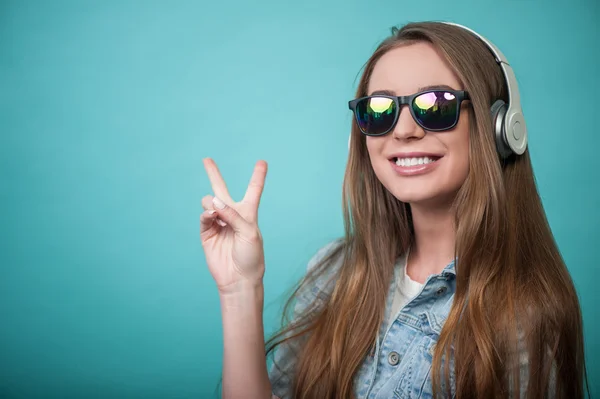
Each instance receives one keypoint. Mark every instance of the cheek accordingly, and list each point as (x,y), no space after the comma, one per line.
(374,149)
(380,165)
(459,168)
(459,156)
(372,144)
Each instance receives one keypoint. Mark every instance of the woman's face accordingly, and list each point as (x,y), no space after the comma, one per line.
(404,71)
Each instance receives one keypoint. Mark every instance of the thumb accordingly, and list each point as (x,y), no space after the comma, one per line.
(230,216)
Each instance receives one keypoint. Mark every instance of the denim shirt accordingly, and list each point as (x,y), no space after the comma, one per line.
(400,364)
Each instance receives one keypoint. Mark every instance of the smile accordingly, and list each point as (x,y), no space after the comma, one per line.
(415,165)
(414,161)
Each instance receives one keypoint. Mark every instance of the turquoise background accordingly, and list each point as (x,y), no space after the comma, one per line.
(107,109)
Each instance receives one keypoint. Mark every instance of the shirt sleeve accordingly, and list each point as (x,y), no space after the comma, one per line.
(285,354)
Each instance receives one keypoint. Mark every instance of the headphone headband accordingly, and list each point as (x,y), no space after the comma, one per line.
(511,79)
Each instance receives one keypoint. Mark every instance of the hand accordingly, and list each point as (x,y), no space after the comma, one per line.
(229,231)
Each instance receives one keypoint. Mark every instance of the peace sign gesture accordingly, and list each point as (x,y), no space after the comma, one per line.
(229,231)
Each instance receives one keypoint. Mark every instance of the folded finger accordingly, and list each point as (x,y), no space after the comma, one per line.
(207,203)
(207,221)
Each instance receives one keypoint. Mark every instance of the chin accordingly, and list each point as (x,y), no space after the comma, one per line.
(431,189)
(424,195)
(429,200)
(415,197)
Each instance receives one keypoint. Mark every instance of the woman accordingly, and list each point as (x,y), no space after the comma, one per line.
(448,282)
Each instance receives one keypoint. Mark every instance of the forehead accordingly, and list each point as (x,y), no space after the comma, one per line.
(405,69)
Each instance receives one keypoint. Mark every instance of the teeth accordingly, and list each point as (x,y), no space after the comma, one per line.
(414,161)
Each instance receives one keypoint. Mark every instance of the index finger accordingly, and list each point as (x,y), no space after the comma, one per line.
(216,180)
(256,185)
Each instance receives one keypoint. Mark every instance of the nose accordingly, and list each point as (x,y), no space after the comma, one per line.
(406,128)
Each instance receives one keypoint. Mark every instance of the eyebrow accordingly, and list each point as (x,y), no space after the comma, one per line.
(431,87)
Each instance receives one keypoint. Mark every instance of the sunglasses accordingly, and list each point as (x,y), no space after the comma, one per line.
(433,110)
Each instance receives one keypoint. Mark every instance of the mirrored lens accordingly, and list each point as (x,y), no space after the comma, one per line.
(375,115)
(436,110)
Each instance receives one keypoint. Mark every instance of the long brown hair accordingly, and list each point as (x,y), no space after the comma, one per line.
(508,263)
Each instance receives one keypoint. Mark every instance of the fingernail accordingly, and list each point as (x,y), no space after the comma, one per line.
(212,212)
(221,223)
(218,203)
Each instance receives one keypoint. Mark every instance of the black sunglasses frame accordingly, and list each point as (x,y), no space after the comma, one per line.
(460,95)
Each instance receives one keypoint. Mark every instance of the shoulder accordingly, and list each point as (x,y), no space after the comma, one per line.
(322,271)
(326,253)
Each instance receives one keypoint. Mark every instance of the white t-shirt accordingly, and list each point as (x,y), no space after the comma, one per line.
(405,289)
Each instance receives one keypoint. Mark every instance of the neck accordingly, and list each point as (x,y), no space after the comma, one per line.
(434,241)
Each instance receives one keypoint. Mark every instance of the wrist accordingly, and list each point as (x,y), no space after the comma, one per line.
(242,294)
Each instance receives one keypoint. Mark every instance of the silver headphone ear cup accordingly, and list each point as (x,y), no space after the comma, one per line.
(498,111)
(515,131)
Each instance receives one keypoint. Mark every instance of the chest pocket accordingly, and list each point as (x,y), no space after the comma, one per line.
(416,379)
(416,383)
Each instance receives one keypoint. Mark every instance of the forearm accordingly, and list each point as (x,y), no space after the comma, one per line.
(245,373)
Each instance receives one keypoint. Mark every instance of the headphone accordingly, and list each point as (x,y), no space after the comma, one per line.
(508,122)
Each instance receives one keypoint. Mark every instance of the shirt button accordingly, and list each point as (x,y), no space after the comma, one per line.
(393,358)
(440,291)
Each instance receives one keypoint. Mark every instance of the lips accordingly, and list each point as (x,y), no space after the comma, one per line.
(410,164)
